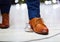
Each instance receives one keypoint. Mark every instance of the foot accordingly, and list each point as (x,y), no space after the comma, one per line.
(5,21)
(38,26)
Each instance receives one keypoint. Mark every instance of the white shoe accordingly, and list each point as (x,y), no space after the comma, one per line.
(28,28)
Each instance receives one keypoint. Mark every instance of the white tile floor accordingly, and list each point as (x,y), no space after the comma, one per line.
(19,19)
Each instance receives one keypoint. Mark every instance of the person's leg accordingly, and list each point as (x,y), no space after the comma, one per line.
(5,15)
(36,22)
(33,8)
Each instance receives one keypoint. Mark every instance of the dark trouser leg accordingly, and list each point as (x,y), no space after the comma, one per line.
(33,8)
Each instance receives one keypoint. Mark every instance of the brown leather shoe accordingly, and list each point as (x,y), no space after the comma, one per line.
(5,21)
(38,26)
